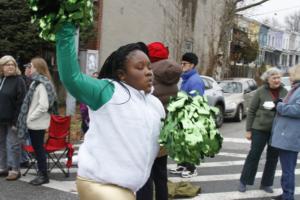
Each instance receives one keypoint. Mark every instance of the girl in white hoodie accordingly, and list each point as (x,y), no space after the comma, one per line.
(121,144)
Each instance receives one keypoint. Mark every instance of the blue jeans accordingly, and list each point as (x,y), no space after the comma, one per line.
(288,161)
(10,148)
(24,156)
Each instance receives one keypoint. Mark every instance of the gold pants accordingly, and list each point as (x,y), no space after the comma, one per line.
(89,190)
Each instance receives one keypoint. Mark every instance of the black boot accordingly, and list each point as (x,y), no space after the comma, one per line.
(42,178)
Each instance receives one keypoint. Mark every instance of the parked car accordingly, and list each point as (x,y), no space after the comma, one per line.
(238,93)
(215,97)
(285,80)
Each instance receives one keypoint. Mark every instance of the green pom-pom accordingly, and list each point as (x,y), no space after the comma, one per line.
(51,14)
(189,132)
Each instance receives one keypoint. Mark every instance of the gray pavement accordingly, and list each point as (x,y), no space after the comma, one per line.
(218,177)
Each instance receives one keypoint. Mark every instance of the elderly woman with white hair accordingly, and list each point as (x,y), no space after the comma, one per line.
(258,129)
(12,92)
(285,134)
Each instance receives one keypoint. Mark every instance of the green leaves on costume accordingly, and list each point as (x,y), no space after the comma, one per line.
(189,132)
(51,14)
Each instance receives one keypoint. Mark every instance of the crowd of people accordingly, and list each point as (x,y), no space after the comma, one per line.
(273,120)
(24,104)
(122,107)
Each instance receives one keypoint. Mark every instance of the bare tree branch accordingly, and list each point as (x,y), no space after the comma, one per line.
(238,1)
(250,5)
(293,22)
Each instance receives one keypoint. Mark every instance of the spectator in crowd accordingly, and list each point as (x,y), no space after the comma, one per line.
(12,92)
(24,159)
(285,134)
(121,144)
(192,84)
(34,117)
(166,76)
(27,75)
(24,162)
(258,126)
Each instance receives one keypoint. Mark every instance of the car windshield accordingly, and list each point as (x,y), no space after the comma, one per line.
(231,87)
(286,81)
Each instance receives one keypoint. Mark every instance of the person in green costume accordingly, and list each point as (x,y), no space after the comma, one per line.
(121,144)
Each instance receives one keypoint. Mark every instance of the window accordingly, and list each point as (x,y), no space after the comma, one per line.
(207,83)
(246,87)
(252,85)
(231,87)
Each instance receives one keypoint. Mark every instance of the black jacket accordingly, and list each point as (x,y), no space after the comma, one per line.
(12,94)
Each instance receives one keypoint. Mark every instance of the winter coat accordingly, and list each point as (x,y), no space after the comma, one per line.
(166,76)
(191,80)
(286,126)
(38,117)
(12,93)
(258,117)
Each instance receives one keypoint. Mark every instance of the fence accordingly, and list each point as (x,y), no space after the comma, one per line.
(242,71)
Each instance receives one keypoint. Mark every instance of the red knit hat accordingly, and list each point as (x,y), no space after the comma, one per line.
(157,51)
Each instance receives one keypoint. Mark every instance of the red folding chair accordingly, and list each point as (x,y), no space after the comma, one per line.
(32,160)
(57,146)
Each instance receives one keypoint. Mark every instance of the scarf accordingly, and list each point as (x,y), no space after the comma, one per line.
(22,119)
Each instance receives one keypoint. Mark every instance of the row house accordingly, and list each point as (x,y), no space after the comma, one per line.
(277,47)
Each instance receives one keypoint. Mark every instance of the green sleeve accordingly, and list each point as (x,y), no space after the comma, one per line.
(90,91)
(254,105)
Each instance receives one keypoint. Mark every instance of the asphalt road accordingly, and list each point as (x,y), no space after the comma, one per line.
(218,177)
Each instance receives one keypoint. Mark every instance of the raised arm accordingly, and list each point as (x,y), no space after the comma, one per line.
(93,92)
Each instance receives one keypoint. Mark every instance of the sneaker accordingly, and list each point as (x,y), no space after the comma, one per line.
(242,187)
(267,189)
(178,170)
(13,175)
(189,174)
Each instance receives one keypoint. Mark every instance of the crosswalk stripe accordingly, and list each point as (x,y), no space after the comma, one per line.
(214,164)
(66,186)
(237,140)
(54,170)
(239,195)
(222,177)
(236,155)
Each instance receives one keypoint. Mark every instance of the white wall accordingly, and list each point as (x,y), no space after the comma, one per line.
(126,21)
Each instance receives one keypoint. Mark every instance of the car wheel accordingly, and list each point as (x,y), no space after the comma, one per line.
(239,114)
(219,118)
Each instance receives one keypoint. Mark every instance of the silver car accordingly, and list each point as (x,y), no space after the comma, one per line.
(238,93)
(215,97)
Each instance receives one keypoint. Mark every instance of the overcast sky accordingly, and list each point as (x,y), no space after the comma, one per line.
(277,9)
